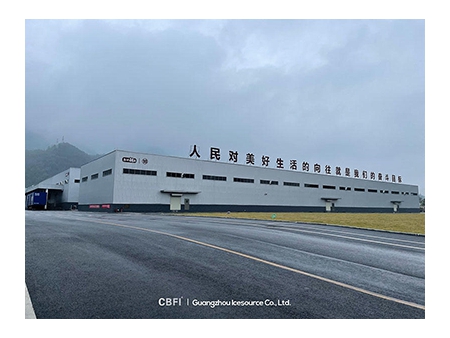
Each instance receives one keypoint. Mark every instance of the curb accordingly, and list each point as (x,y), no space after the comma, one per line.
(309,223)
(29,311)
(360,228)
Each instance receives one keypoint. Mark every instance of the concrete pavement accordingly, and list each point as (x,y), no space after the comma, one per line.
(130,266)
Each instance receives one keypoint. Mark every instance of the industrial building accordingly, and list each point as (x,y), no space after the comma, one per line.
(129,181)
(140,182)
(59,192)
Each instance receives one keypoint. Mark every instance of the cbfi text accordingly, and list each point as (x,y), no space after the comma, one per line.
(171,302)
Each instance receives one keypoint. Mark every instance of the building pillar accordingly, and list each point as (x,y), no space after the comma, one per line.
(46,199)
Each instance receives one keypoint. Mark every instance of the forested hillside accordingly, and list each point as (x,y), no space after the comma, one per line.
(42,164)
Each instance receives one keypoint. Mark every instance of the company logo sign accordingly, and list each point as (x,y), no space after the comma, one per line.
(129,159)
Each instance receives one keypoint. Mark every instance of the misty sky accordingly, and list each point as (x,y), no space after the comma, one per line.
(348,93)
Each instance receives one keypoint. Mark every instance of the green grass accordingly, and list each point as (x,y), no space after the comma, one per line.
(408,223)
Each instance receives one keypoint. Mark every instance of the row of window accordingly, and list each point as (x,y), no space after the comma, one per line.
(214,178)
(179,175)
(139,172)
(95,176)
(239,180)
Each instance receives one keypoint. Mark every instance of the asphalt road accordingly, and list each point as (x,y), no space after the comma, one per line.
(95,265)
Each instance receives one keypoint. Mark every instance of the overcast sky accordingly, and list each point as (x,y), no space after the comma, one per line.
(339,93)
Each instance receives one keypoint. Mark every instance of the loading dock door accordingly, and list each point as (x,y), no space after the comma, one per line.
(175,202)
(329,203)
(396,205)
(175,198)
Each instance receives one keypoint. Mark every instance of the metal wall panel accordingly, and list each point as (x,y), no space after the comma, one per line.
(186,177)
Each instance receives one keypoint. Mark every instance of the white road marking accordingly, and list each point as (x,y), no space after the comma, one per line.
(347,286)
(334,235)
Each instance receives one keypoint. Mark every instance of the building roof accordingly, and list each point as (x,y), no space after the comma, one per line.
(44,186)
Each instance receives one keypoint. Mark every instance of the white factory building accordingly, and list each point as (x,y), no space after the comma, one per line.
(139,182)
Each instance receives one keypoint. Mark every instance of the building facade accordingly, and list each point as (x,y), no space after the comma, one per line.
(59,192)
(140,182)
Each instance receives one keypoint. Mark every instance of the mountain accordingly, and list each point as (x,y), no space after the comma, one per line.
(42,164)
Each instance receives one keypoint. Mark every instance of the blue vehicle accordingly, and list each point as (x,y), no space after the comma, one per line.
(36,200)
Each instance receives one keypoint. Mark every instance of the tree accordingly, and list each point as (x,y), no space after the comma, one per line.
(422,202)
